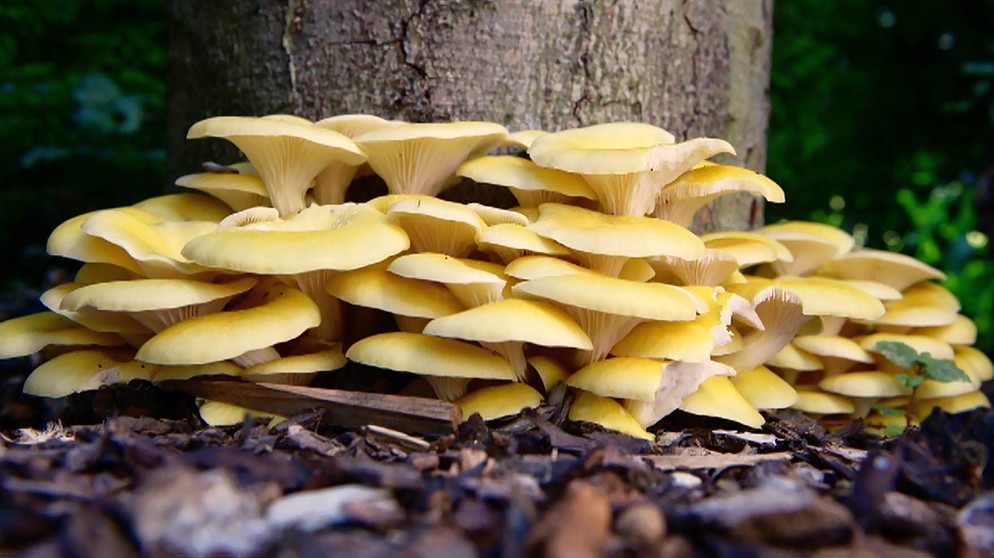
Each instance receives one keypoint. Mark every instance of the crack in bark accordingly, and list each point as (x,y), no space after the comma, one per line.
(292,25)
(404,56)
(586,14)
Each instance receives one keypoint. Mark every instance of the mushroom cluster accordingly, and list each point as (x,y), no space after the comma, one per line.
(594,280)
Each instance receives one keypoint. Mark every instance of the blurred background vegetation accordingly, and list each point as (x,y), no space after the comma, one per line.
(882,124)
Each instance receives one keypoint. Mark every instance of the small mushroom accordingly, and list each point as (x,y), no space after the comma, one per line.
(422,158)
(625,163)
(85,370)
(288,154)
(531,184)
(897,270)
(494,402)
(448,364)
(606,412)
(717,397)
(506,325)
(680,199)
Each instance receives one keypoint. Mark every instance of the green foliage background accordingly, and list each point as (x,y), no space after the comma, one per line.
(882,121)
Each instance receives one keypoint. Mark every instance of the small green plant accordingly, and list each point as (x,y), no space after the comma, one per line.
(918,367)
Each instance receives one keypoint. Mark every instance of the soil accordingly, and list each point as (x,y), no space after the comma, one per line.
(132,471)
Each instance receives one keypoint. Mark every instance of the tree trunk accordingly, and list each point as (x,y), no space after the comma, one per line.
(694,67)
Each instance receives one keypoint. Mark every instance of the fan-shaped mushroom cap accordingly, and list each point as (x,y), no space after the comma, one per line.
(153,242)
(297,369)
(748,248)
(530,184)
(422,158)
(26,335)
(712,269)
(922,305)
(865,383)
(70,241)
(497,216)
(763,389)
(974,362)
(819,296)
(505,325)
(625,163)
(953,404)
(608,308)
(433,357)
(331,184)
(897,270)
(157,303)
(836,353)
(238,191)
(679,200)
(494,402)
(438,226)
(96,320)
(188,206)
(922,344)
(810,244)
(962,331)
(287,154)
(219,413)
(717,397)
(549,370)
(822,403)
(85,370)
(607,241)
(281,314)
(374,287)
(510,242)
(472,282)
(608,413)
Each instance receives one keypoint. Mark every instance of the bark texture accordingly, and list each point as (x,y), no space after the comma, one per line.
(694,67)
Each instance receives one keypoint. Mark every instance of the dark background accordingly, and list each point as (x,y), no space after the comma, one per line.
(881,124)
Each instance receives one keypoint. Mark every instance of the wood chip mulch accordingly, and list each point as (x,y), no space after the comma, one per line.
(535,485)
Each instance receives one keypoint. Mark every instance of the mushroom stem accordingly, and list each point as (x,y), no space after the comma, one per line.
(514,352)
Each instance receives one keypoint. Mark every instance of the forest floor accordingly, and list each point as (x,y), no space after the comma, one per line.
(153,480)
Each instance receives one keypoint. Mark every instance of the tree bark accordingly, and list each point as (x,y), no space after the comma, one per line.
(693,67)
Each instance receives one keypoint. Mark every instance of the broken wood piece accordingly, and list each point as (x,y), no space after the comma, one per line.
(344,408)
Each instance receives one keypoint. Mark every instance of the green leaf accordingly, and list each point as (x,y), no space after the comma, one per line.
(909,380)
(888,411)
(899,353)
(893,430)
(942,370)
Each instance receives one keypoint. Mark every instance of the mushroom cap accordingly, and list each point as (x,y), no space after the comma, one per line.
(832,346)
(284,313)
(510,241)
(712,269)
(550,370)
(897,270)
(494,402)
(938,349)
(287,152)
(188,206)
(780,312)
(445,269)
(528,321)
(359,235)
(691,341)
(154,242)
(85,370)
(822,403)
(820,296)
(764,389)
(438,226)
(621,377)
(497,216)
(152,294)
(954,404)
(922,305)
(238,191)
(187,371)
(865,383)
(611,148)
(522,138)
(331,358)
(718,397)
(974,362)
(650,301)
(92,319)
(625,163)
(422,158)
(352,125)
(962,331)
(748,248)
(26,335)
(608,413)
(428,355)
(615,235)
(374,287)
(218,413)
(680,199)
(527,180)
